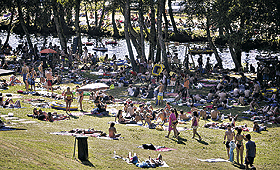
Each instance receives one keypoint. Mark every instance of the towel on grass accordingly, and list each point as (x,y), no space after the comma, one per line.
(5,128)
(213,160)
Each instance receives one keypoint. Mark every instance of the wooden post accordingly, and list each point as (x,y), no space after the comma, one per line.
(82,148)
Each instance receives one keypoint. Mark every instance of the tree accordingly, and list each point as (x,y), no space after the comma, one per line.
(161,8)
(126,11)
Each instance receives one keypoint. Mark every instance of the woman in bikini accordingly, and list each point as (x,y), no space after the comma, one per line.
(68,96)
(239,145)
(80,97)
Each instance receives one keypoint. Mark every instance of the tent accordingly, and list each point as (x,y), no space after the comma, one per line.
(94,87)
(4,72)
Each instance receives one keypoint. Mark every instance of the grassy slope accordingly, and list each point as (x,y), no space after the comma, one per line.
(36,149)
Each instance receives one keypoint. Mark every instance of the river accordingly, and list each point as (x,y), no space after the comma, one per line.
(121,49)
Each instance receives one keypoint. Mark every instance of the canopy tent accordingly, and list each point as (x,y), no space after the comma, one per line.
(94,87)
(4,72)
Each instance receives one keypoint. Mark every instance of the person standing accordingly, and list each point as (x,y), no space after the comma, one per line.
(31,78)
(68,96)
(80,97)
(195,121)
(250,152)
(186,87)
(49,79)
(41,71)
(172,124)
(229,134)
(200,63)
(160,94)
(239,143)
(24,71)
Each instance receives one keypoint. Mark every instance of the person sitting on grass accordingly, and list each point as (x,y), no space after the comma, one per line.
(203,113)
(162,116)
(113,131)
(257,128)
(215,114)
(184,117)
(120,118)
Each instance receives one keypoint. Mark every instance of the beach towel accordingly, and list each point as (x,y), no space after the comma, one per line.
(5,128)
(213,160)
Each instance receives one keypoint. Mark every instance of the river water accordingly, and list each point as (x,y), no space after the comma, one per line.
(121,49)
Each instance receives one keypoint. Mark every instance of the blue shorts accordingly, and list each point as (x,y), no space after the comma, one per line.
(24,77)
(250,160)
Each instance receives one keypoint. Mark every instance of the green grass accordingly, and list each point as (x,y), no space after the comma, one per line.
(36,149)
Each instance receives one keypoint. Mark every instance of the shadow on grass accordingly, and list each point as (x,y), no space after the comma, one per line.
(202,142)
(74,117)
(238,166)
(88,163)
(180,140)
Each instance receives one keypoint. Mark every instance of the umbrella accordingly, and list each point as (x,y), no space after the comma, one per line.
(48,51)
(94,87)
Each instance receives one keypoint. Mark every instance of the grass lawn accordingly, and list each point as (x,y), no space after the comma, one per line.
(35,148)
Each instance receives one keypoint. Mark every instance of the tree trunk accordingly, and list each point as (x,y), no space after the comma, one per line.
(58,26)
(77,25)
(87,18)
(126,10)
(102,16)
(212,45)
(158,54)
(116,31)
(235,50)
(152,32)
(166,26)
(141,19)
(9,27)
(21,20)
(95,13)
(172,18)
(160,38)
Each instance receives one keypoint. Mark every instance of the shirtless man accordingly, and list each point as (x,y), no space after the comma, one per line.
(215,114)
(229,134)
(131,110)
(193,108)
(160,94)
(49,79)
(24,71)
(40,68)
(203,113)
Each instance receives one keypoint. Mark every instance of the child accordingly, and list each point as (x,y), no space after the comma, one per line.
(250,152)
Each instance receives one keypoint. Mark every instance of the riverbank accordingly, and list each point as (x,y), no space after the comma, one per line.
(35,148)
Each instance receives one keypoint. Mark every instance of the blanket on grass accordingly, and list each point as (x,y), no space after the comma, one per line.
(213,160)
(156,148)
(79,133)
(6,128)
